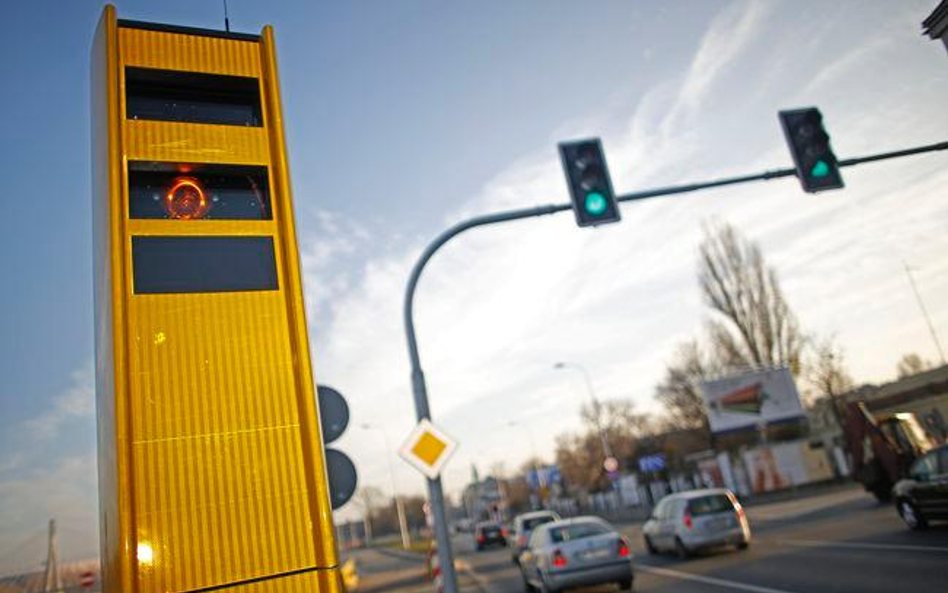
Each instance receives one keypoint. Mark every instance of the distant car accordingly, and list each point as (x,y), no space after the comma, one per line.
(689,521)
(923,496)
(576,552)
(487,533)
(523,526)
(462,526)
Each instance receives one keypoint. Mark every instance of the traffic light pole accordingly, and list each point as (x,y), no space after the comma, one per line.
(420,390)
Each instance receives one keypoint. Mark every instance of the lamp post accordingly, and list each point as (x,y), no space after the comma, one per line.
(399,505)
(606,449)
(541,482)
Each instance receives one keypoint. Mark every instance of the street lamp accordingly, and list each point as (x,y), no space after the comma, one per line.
(399,505)
(608,458)
(541,481)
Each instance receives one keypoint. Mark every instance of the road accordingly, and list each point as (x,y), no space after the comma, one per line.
(835,544)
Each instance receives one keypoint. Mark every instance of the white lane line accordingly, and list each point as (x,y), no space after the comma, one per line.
(817,543)
(687,576)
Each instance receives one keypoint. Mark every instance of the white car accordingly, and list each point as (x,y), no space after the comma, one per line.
(689,521)
(523,527)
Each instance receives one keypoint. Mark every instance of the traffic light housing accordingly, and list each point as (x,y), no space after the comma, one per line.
(817,167)
(590,188)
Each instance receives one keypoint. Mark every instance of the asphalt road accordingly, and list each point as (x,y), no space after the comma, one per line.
(851,545)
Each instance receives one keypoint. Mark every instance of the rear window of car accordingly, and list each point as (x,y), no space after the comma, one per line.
(529,524)
(574,531)
(706,505)
(489,528)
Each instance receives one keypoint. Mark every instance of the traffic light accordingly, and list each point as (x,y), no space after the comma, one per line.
(590,188)
(212,470)
(815,162)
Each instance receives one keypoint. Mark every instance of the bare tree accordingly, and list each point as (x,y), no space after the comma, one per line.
(369,497)
(754,326)
(580,457)
(911,364)
(828,375)
(680,390)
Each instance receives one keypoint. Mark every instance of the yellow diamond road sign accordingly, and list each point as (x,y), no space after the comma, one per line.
(427,448)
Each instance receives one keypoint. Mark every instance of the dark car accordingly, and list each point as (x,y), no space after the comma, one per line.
(923,496)
(488,533)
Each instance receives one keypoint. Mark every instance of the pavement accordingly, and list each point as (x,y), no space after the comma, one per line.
(832,542)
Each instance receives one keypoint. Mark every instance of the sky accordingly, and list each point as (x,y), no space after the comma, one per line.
(403,118)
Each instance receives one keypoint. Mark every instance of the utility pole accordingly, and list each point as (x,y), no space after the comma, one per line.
(597,417)
(921,305)
(399,503)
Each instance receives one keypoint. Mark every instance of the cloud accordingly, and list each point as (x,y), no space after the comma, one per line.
(76,401)
(497,306)
(728,37)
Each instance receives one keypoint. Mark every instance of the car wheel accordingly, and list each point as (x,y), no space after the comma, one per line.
(526,583)
(625,585)
(743,545)
(649,546)
(681,550)
(912,517)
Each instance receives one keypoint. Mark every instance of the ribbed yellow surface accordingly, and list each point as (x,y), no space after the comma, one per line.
(216,447)
(174,51)
(227,479)
(195,143)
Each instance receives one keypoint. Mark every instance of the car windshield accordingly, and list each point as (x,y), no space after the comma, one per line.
(529,524)
(706,505)
(573,531)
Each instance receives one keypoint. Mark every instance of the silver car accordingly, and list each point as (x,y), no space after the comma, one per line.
(575,553)
(689,521)
(523,527)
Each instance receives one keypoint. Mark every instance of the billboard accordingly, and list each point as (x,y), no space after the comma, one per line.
(751,399)
(782,465)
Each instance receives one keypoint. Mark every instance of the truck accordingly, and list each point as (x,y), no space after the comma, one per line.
(883,449)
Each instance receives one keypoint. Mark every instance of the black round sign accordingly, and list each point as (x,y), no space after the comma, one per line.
(342,477)
(333,413)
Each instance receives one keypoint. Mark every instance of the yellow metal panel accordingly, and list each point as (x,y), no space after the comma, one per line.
(117,521)
(198,53)
(194,143)
(231,228)
(314,456)
(216,439)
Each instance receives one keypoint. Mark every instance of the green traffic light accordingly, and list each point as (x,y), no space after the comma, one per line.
(595,203)
(820,169)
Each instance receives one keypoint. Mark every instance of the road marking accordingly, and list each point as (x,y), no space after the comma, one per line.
(463,566)
(817,543)
(687,576)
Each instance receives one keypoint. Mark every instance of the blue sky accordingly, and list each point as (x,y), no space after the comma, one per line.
(403,117)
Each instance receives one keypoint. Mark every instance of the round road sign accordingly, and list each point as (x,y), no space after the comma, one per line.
(611,464)
(342,477)
(333,413)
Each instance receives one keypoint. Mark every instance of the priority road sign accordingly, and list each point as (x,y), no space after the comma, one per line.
(427,448)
